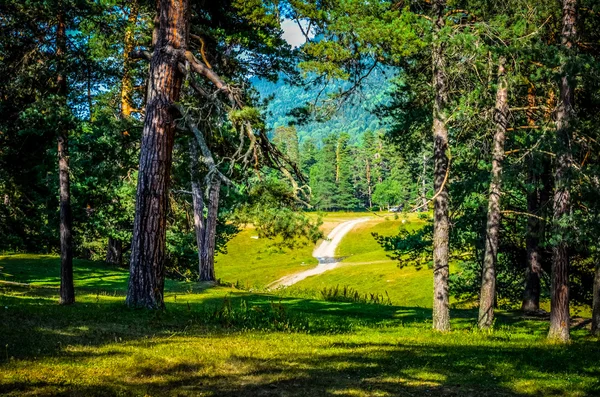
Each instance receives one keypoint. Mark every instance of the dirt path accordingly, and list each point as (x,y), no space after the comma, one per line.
(325,254)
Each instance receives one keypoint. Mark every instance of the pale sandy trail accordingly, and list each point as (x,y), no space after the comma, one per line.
(325,254)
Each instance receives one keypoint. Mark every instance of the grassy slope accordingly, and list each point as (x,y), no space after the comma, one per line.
(367,269)
(97,347)
(255,263)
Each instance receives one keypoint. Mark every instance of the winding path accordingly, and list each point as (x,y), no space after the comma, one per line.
(325,254)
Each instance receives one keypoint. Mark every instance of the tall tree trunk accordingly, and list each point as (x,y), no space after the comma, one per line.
(441,224)
(198,204)
(146,280)
(488,278)
(531,294)
(207,272)
(537,200)
(67,290)
(537,204)
(559,314)
(114,253)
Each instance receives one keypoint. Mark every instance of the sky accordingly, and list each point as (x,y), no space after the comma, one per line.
(292,33)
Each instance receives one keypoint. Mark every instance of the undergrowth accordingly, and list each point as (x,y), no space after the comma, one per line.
(349,294)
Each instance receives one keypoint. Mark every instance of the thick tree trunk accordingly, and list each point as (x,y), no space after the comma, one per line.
(198,204)
(114,253)
(441,224)
(596,303)
(67,290)
(207,272)
(488,279)
(146,280)
(559,314)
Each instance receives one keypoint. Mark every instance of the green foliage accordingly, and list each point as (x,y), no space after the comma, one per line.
(271,209)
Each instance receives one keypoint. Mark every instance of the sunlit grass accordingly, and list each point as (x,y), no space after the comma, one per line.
(98,347)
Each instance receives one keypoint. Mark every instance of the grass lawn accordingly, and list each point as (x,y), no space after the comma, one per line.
(223,342)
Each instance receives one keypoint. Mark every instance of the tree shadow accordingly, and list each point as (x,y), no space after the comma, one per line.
(348,369)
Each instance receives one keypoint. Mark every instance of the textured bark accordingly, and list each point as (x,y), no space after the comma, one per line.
(441,310)
(146,281)
(488,279)
(207,272)
(559,314)
(596,303)
(114,253)
(67,290)
(198,203)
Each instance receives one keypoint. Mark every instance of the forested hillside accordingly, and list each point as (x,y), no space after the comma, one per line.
(354,117)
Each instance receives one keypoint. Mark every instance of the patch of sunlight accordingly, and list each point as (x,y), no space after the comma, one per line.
(540,384)
(358,392)
(422,377)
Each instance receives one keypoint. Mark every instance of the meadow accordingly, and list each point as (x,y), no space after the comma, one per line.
(226,341)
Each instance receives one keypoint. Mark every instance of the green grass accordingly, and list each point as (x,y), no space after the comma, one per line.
(367,268)
(255,263)
(98,347)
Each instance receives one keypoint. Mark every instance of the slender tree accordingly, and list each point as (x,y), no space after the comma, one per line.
(559,314)
(67,290)
(207,272)
(488,282)
(596,303)
(441,225)
(197,203)
(146,281)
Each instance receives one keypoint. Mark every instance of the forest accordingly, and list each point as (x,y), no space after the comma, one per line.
(411,190)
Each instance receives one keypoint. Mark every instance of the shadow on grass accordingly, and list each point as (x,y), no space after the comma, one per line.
(349,368)
(377,359)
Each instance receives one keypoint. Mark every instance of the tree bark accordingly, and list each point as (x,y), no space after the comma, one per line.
(198,204)
(207,272)
(488,279)
(559,314)
(441,224)
(146,281)
(596,303)
(67,289)
(114,253)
